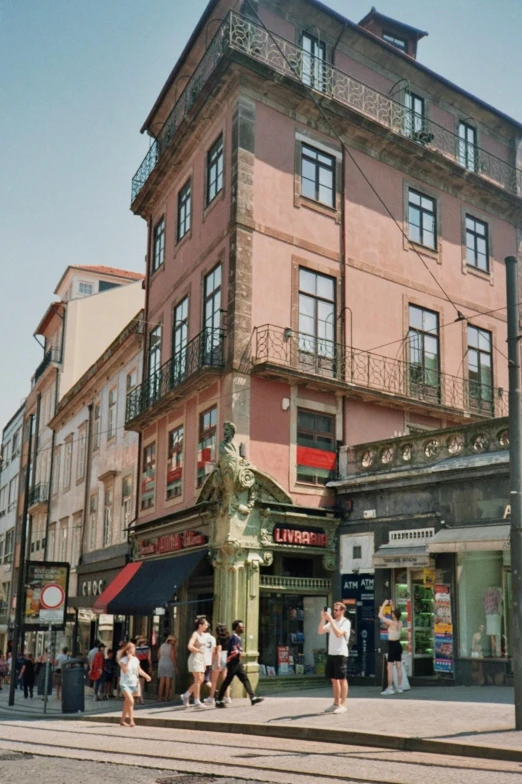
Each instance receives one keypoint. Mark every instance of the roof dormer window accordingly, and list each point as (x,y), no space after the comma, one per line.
(395,40)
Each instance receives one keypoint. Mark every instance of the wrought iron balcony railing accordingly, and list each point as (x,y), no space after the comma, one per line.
(362,370)
(206,350)
(39,494)
(52,355)
(237,33)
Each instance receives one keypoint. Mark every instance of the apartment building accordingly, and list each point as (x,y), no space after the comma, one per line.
(93,489)
(94,304)
(9,483)
(328,220)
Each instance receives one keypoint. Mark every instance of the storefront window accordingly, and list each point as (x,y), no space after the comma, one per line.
(288,640)
(484,586)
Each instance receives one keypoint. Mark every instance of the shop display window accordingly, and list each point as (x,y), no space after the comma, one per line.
(402,602)
(288,641)
(484,590)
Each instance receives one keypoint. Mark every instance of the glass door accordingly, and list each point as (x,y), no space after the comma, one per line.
(423,616)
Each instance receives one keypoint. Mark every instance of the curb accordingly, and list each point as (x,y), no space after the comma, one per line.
(348,737)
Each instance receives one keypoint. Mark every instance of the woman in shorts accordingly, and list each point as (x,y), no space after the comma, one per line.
(394,625)
(196,662)
(129,683)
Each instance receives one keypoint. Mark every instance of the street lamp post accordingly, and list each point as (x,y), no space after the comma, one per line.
(515,473)
(17,634)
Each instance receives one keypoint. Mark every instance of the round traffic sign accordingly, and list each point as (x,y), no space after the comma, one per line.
(52,596)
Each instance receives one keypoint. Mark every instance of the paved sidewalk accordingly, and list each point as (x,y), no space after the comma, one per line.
(476,722)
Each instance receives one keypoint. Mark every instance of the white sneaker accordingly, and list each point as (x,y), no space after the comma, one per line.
(209,701)
(228,700)
(186,700)
(341,709)
(398,690)
(331,708)
(199,706)
(388,691)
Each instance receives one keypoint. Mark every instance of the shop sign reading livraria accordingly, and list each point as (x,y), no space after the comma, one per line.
(45,598)
(293,535)
(170,543)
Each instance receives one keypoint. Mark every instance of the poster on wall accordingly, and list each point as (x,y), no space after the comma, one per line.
(45,599)
(443,628)
(283,659)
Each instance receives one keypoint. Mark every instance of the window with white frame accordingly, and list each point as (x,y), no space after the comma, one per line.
(85,289)
(62,543)
(132,380)
(67,463)
(56,469)
(3,500)
(107,516)
(126,506)
(82,449)
(314,56)
(422,219)
(75,538)
(96,428)
(113,410)
(9,545)
(93,520)
(13,493)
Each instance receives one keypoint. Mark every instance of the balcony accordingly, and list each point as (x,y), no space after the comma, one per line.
(282,353)
(241,35)
(38,495)
(52,356)
(189,366)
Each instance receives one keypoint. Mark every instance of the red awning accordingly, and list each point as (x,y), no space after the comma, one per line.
(117,585)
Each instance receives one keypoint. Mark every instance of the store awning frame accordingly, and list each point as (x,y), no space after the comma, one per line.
(141,586)
(393,557)
(470,538)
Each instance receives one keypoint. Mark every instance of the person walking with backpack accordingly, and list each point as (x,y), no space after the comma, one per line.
(235,667)
(338,629)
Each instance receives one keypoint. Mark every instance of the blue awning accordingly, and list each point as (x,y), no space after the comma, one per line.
(144,585)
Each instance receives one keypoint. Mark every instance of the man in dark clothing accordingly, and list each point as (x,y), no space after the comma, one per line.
(235,666)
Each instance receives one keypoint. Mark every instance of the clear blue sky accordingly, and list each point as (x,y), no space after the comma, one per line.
(78,79)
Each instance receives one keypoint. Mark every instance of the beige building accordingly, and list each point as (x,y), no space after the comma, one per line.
(94,304)
(92,496)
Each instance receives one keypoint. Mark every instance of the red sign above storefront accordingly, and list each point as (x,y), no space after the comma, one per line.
(310,537)
(171,543)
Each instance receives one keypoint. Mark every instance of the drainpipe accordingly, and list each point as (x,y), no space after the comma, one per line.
(18,631)
(51,472)
(87,491)
(35,466)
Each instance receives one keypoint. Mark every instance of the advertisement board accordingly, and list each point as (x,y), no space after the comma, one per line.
(358,595)
(45,596)
(443,628)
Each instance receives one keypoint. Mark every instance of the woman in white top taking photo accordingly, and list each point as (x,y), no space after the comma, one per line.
(394,625)
(129,683)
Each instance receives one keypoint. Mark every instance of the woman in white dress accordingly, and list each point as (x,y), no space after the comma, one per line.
(129,683)
(167,667)
(196,662)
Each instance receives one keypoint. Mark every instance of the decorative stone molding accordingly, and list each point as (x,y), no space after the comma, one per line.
(426,448)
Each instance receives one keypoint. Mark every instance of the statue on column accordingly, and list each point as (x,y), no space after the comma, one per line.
(233,476)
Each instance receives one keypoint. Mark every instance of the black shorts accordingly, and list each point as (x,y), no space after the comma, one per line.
(337,668)
(394,651)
